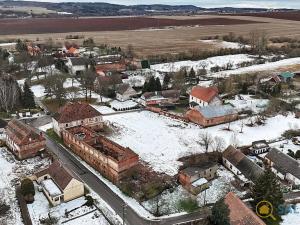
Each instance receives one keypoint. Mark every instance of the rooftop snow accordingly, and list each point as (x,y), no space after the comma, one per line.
(51,187)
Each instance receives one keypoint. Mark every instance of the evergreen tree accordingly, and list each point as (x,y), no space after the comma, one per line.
(267,188)
(158,85)
(27,190)
(192,74)
(28,97)
(166,81)
(297,155)
(152,84)
(220,213)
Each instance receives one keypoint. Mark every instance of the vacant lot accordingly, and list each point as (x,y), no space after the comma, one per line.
(172,39)
(40,26)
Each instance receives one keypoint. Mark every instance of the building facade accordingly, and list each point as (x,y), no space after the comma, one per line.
(22,140)
(212,115)
(109,158)
(204,96)
(76,114)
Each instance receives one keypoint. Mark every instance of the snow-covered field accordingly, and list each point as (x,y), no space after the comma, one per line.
(160,141)
(261,67)
(11,171)
(246,102)
(208,63)
(224,44)
(286,145)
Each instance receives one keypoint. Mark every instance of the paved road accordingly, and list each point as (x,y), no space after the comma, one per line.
(131,217)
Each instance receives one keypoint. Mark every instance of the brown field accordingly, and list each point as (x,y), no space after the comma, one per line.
(173,39)
(42,26)
(295,15)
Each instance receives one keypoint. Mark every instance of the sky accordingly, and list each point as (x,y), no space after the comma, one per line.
(294,4)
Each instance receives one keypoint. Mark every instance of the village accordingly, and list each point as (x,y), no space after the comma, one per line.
(94,134)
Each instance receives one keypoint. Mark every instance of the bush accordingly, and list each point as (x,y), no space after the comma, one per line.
(89,201)
(189,205)
(291,133)
(27,190)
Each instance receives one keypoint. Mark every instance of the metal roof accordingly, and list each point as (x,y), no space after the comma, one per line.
(216,111)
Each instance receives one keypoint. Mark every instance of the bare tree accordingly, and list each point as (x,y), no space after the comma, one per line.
(218,144)
(258,41)
(234,140)
(54,86)
(9,93)
(206,140)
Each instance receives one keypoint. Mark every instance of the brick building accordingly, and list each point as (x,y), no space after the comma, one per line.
(22,140)
(212,115)
(74,114)
(109,158)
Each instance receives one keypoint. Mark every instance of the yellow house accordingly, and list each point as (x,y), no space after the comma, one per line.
(59,184)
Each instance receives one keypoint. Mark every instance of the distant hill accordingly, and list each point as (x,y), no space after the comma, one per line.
(107,9)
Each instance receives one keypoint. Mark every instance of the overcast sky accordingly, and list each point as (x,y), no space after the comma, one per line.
(203,3)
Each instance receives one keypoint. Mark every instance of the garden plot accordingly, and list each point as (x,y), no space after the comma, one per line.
(160,141)
(220,61)
(11,172)
(170,200)
(40,209)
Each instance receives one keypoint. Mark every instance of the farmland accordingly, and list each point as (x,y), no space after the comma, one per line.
(36,26)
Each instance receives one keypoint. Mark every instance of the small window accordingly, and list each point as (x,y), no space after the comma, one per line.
(67,125)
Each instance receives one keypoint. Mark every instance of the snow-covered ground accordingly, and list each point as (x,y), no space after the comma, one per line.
(46,127)
(246,102)
(160,141)
(71,83)
(220,61)
(293,218)
(219,187)
(38,90)
(118,105)
(225,44)
(11,172)
(138,78)
(286,145)
(103,109)
(261,67)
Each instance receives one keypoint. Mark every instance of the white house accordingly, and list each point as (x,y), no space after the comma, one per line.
(59,184)
(74,114)
(259,147)
(204,96)
(77,65)
(284,166)
(125,92)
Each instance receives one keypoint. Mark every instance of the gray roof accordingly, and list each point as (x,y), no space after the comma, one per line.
(216,111)
(249,169)
(79,61)
(284,163)
(122,88)
(194,170)
(3,123)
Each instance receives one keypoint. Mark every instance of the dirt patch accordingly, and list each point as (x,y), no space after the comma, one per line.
(40,26)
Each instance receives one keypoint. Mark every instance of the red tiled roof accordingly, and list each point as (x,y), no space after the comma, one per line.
(21,133)
(74,111)
(111,67)
(204,93)
(240,214)
(61,176)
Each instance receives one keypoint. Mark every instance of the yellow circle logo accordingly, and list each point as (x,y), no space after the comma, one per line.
(264,209)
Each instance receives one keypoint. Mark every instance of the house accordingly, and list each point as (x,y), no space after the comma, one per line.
(158,97)
(74,114)
(259,147)
(77,65)
(204,96)
(103,83)
(239,213)
(109,158)
(3,124)
(125,92)
(212,115)
(22,140)
(110,68)
(59,184)
(286,76)
(284,166)
(240,164)
(195,178)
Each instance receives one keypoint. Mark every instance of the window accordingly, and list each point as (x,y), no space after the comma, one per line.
(56,199)
(67,125)
(230,166)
